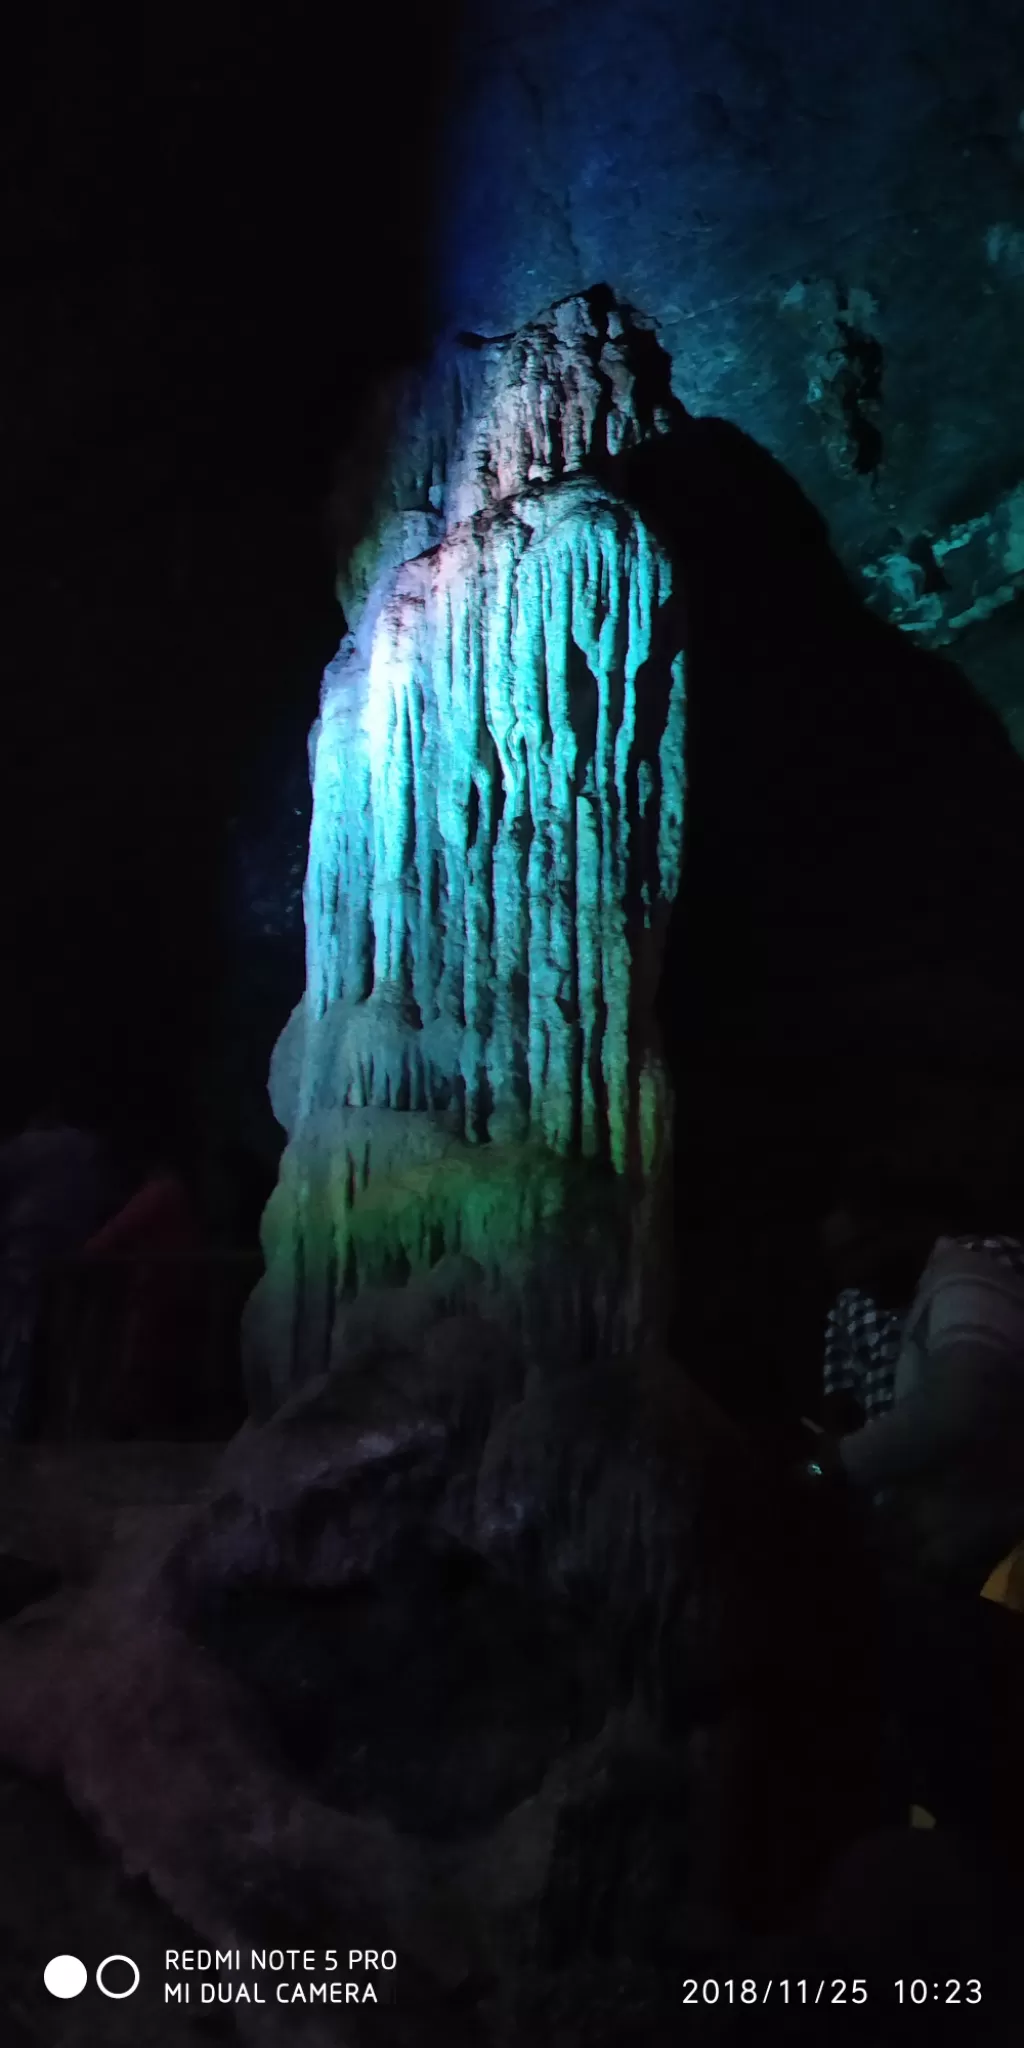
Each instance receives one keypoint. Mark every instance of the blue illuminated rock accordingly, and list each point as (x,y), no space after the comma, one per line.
(498,790)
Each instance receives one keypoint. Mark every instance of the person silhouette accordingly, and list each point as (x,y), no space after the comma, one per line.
(57,1184)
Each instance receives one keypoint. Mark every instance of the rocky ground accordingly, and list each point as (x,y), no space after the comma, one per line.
(546,1684)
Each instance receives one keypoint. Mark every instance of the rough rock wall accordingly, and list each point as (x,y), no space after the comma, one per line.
(485,418)
(822,213)
(495,847)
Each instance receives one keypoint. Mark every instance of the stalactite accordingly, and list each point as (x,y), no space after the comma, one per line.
(507,658)
(495,832)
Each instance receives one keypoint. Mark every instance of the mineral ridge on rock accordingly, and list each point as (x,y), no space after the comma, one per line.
(498,793)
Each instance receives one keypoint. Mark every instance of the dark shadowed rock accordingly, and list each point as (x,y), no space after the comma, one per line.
(542,1681)
(22,1583)
(61,1892)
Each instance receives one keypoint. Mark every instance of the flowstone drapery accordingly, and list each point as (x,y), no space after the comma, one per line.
(496,841)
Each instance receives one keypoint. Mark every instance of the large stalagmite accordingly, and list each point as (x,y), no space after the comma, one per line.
(496,842)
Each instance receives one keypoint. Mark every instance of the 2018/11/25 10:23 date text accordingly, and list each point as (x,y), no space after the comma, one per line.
(826,1991)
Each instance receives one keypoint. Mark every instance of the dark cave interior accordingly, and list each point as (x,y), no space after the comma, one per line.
(188,355)
(571,1662)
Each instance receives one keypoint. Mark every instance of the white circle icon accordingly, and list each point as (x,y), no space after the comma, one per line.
(100,1986)
(65,1977)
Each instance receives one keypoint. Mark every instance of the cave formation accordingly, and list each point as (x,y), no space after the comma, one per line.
(496,844)
(606,706)
(622,795)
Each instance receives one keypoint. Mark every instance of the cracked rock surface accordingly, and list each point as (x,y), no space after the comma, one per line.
(717,163)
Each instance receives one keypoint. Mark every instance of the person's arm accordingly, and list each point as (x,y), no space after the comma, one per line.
(920,1432)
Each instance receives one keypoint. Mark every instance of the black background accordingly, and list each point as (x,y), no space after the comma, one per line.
(213,234)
